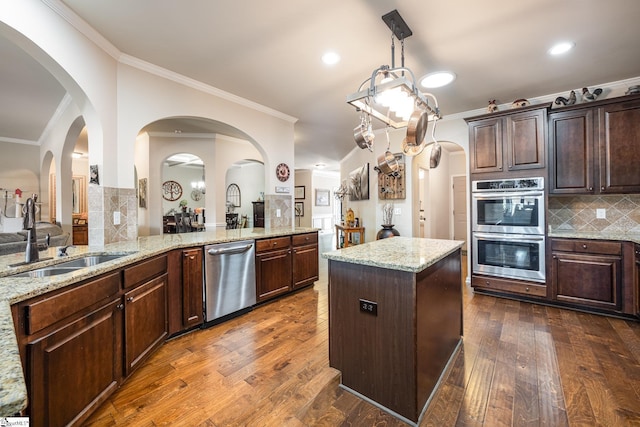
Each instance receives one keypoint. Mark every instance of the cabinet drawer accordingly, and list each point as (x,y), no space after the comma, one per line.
(43,313)
(587,246)
(144,271)
(305,239)
(272,244)
(511,286)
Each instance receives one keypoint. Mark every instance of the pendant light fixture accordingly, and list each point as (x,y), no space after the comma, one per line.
(391,94)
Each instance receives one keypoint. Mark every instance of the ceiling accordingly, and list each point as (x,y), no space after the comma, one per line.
(269,52)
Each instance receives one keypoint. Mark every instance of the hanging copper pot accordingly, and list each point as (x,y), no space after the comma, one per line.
(363,134)
(387,163)
(417,127)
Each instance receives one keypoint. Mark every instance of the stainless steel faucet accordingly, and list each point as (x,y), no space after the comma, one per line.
(29,224)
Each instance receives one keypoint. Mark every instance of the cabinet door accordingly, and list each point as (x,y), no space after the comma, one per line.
(76,367)
(145,321)
(587,280)
(273,274)
(571,152)
(619,138)
(485,142)
(305,265)
(525,140)
(192,287)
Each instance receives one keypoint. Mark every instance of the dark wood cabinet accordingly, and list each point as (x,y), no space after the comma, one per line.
(587,273)
(571,152)
(75,367)
(258,214)
(593,148)
(305,259)
(80,234)
(508,142)
(618,141)
(284,264)
(273,267)
(192,287)
(636,284)
(145,321)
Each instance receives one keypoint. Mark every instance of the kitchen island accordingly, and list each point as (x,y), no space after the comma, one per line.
(395,319)
(14,290)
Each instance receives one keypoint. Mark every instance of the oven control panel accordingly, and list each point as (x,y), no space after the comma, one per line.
(526,184)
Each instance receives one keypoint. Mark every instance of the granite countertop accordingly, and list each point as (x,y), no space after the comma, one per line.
(595,235)
(13,392)
(397,253)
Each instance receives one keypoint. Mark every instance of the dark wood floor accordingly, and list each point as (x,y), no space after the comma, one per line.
(520,365)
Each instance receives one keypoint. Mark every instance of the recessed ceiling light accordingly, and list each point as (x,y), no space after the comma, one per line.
(437,79)
(330,58)
(560,48)
(320,165)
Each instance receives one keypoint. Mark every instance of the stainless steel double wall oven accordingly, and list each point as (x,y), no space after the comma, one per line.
(508,221)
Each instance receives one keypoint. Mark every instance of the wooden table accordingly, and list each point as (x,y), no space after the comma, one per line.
(345,231)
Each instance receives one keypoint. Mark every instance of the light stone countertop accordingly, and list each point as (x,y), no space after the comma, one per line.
(397,253)
(595,235)
(13,392)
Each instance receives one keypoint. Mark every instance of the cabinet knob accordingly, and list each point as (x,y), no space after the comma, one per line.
(555,257)
(487,283)
(602,188)
(590,188)
(130,299)
(120,306)
(526,289)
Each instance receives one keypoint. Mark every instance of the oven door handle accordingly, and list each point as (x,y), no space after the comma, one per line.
(485,196)
(509,237)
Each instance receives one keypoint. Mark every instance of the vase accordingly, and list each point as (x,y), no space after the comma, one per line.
(387,231)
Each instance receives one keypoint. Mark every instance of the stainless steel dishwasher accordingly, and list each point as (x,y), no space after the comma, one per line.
(230,279)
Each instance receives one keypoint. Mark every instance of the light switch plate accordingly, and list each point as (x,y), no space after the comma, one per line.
(397,211)
(601,213)
(116,218)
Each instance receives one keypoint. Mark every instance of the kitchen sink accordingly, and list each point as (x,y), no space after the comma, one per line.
(70,266)
(89,260)
(46,272)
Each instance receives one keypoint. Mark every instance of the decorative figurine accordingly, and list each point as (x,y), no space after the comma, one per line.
(567,101)
(493,107)
(590,96)
(520,103)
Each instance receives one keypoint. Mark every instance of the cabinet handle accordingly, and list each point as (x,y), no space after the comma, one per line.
(584,246)
(129,299)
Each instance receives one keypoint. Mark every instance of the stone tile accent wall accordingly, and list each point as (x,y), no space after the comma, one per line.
(103,202)
(273,202)
(578,213)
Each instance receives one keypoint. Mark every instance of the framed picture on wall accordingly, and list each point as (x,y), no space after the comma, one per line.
(322,197)
(299,207)
(299,192)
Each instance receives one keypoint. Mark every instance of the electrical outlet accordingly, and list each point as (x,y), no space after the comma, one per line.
(116,218)
(397,211)
(368,307)
(601,213)
(278,213)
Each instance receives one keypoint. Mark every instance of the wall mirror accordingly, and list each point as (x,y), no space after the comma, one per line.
(233,196)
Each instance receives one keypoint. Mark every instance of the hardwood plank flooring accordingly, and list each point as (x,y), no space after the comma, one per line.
(520,365)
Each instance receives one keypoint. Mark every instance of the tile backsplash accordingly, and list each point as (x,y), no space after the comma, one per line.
(274,203)
(578,213)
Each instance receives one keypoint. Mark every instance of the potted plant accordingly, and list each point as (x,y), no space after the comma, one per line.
(183,205)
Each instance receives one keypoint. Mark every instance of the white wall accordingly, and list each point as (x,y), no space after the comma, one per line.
(302,177)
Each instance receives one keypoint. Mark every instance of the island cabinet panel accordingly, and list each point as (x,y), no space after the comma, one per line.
(75,367)
(146,324)
(391,332)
